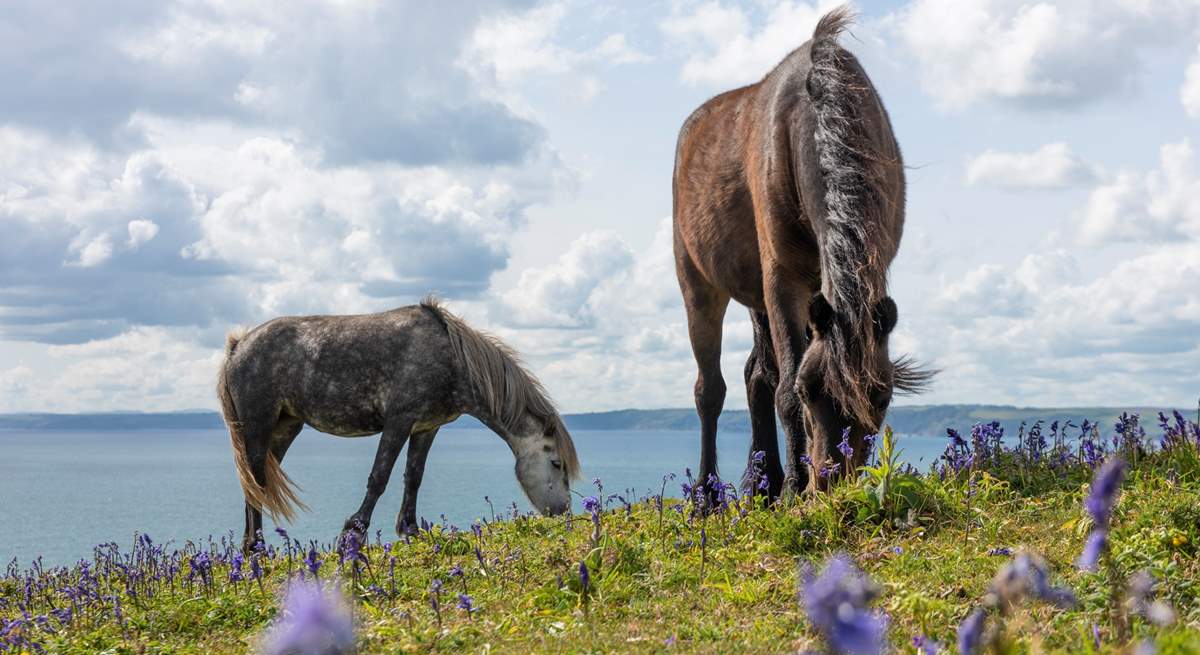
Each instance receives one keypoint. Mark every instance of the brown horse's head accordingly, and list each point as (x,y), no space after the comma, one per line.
(840,392)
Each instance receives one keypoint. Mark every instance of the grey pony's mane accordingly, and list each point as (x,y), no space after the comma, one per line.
(855,249)
(504,386)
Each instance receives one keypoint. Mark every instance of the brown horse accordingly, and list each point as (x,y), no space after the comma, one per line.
(789,199)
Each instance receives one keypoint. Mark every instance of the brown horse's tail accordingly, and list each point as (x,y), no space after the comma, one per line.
(278,497)
(853,264)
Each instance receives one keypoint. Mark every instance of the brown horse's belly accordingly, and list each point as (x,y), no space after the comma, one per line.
(725,250)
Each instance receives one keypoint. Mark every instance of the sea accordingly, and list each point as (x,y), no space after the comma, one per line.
(62,493)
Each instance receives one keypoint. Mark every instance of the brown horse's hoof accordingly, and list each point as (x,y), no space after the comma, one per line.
(406,528)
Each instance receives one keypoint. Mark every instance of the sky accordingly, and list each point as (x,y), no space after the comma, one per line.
(171,170)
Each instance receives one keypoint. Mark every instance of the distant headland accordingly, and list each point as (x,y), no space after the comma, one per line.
(905,419)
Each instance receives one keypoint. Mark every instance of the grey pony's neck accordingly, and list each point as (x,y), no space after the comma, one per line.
(484,416)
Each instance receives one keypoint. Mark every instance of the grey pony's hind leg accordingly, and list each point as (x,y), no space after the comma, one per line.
(282,436)
(762,377)
(395,433)
(705,305)
(256,430)
(414,469)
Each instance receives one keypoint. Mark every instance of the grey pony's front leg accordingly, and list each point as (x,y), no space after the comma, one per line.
(395,433)
(418,451)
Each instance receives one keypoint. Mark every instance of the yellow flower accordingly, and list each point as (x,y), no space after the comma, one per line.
(1179,540)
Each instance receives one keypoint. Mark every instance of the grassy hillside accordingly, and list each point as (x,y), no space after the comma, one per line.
(664,576)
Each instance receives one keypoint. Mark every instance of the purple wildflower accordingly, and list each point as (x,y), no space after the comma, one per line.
(585,578)
(1099,504)
(312,561)
(925,646)
(1024,577)
(466,603)
(1103,495)
(1140,601)
(970,633)
(836,605)
(1093,548)
(844,447)
(314,622)
(591,504)
(235,567)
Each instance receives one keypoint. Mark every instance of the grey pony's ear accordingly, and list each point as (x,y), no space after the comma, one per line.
(886,316)
(820,315)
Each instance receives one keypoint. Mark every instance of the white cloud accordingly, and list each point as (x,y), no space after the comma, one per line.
(93,251)
(559,295)
(148,368)
(140,231)
(615,49)
(604,326)
(1053,165)
(1158,206)
(723,48)
(513,45)
(1124,337)
(14,385)
(246,225)
(1036,53)
(1190,93)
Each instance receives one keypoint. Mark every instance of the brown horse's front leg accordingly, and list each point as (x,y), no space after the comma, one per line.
(787,310)
(395,433)
(705,307)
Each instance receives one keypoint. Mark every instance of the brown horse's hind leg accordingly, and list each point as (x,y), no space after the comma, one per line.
(414,470)
(705,307)
(282,436)
(761,380)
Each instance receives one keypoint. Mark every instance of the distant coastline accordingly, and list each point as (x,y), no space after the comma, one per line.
(911,419)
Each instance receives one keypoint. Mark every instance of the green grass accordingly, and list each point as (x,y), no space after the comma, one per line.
(926,541)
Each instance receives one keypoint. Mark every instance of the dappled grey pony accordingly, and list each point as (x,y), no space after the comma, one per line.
(789,199)
(405,373)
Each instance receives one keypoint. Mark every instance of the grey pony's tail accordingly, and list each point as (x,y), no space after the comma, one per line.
(278,497)
(853,201)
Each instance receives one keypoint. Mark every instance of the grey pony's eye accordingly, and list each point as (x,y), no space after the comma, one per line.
(556,464)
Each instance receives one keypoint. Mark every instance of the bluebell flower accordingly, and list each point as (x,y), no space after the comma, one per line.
(1106,486)
(925,646)
(591,504)
(835,603)
(313,622)
(466,603)
(585,578)
(312,561)
(1026,577)
(1140,601)
(844,447)
(1093,548)
(1103,495)
(970,633)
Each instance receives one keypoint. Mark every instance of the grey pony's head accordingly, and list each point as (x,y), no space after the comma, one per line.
(519,410)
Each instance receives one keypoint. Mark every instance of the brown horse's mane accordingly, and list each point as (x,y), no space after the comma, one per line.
(505,387)
(858,241)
